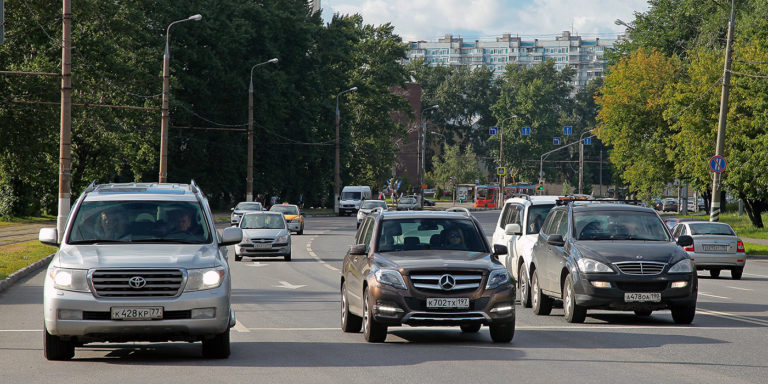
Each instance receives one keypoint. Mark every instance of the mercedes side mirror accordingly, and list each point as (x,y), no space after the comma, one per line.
(556,240)
(357,250)
(499,249)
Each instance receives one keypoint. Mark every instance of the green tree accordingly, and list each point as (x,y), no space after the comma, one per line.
(455,162)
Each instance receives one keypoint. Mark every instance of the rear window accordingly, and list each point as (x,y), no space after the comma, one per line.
(429,233)
(285,209)
(370,204)
(711,229)
(249,206)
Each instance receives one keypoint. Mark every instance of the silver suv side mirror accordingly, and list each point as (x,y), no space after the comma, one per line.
(49,236)
(230,236)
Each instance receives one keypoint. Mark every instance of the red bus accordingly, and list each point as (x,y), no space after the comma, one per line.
(486,196)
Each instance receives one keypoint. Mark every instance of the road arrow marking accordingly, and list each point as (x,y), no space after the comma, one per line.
(285,284)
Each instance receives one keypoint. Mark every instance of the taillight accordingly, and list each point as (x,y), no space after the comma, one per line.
(739,247)
(689,248)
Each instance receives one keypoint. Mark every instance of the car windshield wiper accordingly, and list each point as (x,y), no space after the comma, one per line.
(163,240)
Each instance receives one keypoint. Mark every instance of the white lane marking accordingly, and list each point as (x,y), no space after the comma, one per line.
(21,330)
(715,296)
(732,316)
(752,274)
(285,284)
(314,255)
(295,329)
(239,327)
(256,264)
(739,288)
(528,328)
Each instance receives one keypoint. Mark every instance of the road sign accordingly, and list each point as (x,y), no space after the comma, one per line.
(567,130)
(492,130)
(556,141)
(717,164)
(526,131)
(501,171)
(587,141)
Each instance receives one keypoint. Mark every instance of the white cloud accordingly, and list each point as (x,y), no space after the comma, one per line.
(485,19)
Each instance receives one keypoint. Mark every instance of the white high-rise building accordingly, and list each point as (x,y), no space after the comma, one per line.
(314,5)
(585,56)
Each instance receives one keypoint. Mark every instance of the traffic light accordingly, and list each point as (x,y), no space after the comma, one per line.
(541,186)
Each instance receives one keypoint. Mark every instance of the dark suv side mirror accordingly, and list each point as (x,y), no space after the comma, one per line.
(684,240)
(499,249)
(556,240)
(357,249)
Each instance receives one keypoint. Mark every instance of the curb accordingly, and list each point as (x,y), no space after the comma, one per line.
(24,272)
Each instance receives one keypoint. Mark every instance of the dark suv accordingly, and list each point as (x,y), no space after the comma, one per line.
(597,254)
(425,269)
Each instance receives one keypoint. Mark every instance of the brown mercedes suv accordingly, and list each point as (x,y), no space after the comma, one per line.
(425,269)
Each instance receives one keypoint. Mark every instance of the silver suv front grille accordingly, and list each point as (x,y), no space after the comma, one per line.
(441,281)
(137,282)
(641,267)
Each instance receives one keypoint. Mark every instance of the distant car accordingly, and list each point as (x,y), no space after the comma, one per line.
(407,203)
(242,208)
(293,216)
(672,221)
(657,204)
(264,234)
(715,247)
(669,205)
(368,206)
(428,202)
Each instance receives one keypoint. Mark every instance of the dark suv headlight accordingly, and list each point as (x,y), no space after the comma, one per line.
(497,278)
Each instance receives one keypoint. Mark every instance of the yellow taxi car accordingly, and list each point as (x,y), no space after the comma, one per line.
(293,216)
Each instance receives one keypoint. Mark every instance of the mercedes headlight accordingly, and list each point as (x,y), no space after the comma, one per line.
(593,266)
(205,278)
(498,277)
(70,279)
(390,277)
(682,266)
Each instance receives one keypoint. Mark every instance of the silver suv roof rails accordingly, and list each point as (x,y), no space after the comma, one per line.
(461,210)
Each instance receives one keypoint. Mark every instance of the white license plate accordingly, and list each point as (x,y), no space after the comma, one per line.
(653,297)
(137,313)
(448,303)
(715,248)
(262,245)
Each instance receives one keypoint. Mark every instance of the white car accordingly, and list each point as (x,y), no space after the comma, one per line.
(517,229)
(368,206)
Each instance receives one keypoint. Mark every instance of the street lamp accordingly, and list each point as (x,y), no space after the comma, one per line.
(621,22)
(336,176)
(249,179)
(164,114)
(423,149)
(502,178)
(581,159)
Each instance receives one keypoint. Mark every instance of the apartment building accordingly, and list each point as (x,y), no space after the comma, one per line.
(585,56)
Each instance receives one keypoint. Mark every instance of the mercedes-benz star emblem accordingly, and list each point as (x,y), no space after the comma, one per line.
(137,282)
(447,282)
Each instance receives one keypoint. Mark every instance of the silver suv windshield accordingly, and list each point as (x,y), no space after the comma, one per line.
(429,233)
(139,221)
(618,225)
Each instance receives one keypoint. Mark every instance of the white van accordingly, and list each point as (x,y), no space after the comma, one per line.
(351,197)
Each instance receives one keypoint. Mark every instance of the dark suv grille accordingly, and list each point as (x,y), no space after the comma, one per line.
(641,267)
(157,282)
(430,281)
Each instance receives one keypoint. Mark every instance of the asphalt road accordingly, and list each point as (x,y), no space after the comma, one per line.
(288,332)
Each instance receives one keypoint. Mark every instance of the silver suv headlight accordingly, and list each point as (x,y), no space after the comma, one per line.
(682,266)
(205,278)
(498,277)
(390,277)
(70,279)
(593,266)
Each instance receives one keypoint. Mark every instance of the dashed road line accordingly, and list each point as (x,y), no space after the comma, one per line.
(314,255)
(732,316)
(739,288)
(715,296)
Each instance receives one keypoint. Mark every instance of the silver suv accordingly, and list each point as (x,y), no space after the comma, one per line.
(138,262)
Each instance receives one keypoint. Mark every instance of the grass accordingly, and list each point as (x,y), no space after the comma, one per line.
(17,256)
(4,221)
(741,224)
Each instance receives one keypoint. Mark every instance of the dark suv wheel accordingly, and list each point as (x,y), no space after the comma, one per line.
(573,312)
(542,304)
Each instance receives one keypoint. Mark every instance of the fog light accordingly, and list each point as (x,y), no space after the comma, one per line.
(679,284)
(203,313)
(601,284)
(503,309)
(70,314)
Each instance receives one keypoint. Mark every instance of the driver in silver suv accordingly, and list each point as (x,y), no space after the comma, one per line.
(138,262)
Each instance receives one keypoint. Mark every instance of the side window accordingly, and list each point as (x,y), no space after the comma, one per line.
(677,231)
(684,231)
(562,228)
(547,227)
(505,216)
(360,235)
(368,233)
(515,215)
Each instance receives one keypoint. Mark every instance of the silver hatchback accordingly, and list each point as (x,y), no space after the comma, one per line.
(138,262)
(264,234)
(715,247)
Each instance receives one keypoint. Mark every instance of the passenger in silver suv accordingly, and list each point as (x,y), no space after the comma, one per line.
(138,262)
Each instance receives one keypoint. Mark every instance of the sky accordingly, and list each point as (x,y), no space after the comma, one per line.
(486,19)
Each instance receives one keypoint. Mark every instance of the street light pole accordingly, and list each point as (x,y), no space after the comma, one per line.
(65,141)
(423,150)
(336,166)
(714,211)
(543,156)
(249,178)
(164,114)
(502,178)
(581,160)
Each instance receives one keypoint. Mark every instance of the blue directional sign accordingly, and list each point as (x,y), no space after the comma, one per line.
(526,131)
(717,164)
(567,130)
(492,130)
(556,141)
(587,141)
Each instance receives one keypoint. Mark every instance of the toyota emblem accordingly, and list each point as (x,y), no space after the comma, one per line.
(447,282)
(137,282)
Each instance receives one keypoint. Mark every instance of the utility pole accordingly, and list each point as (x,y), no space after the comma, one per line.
(65,141)
(714,212)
